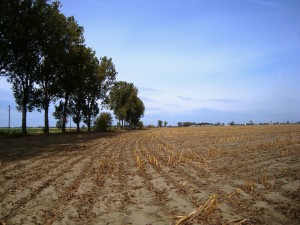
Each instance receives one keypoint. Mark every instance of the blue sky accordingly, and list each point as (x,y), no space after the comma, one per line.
(195,60)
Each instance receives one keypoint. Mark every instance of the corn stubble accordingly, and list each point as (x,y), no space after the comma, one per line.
(202,212)
(188,150)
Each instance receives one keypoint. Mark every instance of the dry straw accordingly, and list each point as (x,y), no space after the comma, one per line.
(236,192)
(139,162)
(240,222)
(202,212)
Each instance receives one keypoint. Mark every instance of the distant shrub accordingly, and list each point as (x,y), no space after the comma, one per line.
(140,125)
(103,122)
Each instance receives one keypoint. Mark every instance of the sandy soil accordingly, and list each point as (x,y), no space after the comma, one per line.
(153,176)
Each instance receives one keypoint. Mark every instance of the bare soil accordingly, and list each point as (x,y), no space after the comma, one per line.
(153,176)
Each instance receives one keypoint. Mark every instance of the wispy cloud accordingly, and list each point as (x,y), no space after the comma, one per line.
(223,100)
(183,102)
(266,3)
(148,99)
(184,98)
(148,89)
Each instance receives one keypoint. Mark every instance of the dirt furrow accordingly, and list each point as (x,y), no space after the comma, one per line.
(12,181)
(22,195)
(79,197)
(27,163)
(140,203)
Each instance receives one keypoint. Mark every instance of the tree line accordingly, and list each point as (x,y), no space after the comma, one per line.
(44,56)
(187,124)
(160,123)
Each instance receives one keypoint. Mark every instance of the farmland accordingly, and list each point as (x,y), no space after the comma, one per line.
(196,175)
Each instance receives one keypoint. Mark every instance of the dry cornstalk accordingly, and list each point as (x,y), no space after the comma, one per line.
(205,161)
(156,162)
(98,179)
(183,185)
(138,161)
(186,218)
(240,222)
(172,161)
(249,185)
(204,210)
(180,157)
(236,192)
(265,180)
(153,160)
(150,159)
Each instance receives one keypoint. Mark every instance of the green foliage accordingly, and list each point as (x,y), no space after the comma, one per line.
(69,66)
(140,125)
(39,54)
(107,76)
(125,103)
(135,111)
(159,123)
(103,122)
(86,70)
(59,115)
(20,56)
(165,124)
(187,124)
(97,84)
(44,56)
(120,97)
(52,45)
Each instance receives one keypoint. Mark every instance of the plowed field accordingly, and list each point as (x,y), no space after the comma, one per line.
(205,175)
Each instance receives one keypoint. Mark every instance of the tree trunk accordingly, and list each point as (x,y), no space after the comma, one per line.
(65,115)
(89,122)
(24,115)
(46,119)
(78,122)
(78,128)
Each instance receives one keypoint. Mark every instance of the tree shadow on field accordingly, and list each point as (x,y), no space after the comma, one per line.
(22,148)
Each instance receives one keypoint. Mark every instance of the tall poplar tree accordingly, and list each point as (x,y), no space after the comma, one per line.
(52,42)
(68,66)
(83,86)
(20,54)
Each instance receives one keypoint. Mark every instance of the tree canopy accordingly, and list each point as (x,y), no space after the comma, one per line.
(159,123)
(44,57)
(124,101)
(21,51)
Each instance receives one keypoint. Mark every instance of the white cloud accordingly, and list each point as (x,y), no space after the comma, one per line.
(183,101)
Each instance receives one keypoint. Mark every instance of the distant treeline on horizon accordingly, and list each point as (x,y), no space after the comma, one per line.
(188,124)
